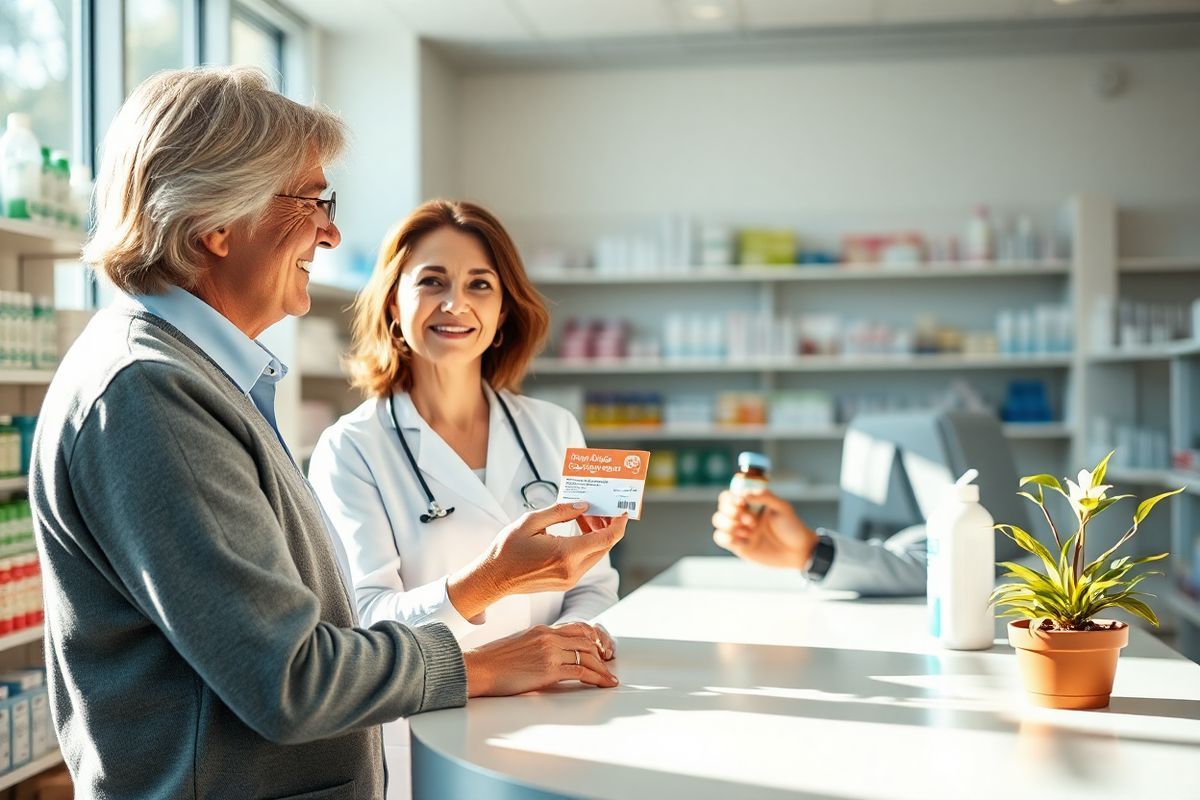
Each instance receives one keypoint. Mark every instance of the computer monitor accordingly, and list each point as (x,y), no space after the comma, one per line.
(896,466)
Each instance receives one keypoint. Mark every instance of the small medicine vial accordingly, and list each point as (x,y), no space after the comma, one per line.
(753,473)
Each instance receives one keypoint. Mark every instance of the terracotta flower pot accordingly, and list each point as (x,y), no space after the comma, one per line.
(1068,669)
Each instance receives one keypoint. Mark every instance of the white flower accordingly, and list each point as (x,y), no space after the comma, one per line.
(1084,496)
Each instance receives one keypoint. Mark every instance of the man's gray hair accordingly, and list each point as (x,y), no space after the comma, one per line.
(192,151)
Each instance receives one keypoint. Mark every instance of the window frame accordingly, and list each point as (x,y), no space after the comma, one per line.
(295,39)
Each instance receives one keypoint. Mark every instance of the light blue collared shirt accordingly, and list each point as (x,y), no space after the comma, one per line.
(254,369)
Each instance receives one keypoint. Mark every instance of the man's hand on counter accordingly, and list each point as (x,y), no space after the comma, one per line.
(539,658)
(776,538)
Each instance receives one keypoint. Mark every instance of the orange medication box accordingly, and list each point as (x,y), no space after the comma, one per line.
(609,481)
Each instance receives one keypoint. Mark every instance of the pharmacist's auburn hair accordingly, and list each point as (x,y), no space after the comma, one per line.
(379,365)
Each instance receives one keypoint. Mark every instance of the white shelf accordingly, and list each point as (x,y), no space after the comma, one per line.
(326,374)
(1159,352)
(1037,430)
(21,637)
(712,433)
(31,238)
(1185,605)
(1188,348)
(899,363)
(1160,478)
(1153,264)
(38,765)
(804,272)
(26,377)
(1148,352)
(17,484)
(331,293)
(708,433)
(812,493)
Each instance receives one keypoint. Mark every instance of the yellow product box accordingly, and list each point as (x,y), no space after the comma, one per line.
(611,482)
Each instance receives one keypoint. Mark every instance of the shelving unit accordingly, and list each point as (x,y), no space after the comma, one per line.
(28,252)
(26,377)
(865,363)
(1155,388)
(834,433)
(35,767)
(327,293)
(24,237)
(17,484)
(808,460)
(22,637)
(799,273)
(797,493)
(1158,264)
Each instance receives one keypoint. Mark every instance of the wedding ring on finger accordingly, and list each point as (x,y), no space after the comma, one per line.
(576,657)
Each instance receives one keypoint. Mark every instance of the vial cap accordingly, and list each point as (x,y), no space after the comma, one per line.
(750,460)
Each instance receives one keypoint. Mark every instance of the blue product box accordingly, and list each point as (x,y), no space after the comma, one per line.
(40,726)
(5,732)
(20,736)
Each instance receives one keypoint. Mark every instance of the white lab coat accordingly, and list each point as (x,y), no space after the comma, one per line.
(399,564)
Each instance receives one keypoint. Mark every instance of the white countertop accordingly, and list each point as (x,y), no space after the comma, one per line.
(736,682)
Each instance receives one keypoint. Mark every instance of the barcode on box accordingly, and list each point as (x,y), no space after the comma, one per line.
(626,505)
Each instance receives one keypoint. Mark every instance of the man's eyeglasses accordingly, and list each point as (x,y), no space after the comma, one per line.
(329,203)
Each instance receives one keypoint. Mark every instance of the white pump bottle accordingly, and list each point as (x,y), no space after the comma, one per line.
(961,569)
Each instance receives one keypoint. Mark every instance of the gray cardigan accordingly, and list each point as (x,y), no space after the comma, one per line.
(199,638)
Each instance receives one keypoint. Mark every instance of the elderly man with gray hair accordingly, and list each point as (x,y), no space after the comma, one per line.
(201,640)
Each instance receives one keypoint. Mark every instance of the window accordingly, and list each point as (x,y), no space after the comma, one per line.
(36,63)
(255,42)
(154,39)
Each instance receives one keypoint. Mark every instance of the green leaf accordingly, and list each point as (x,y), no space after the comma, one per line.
(1049,481)
(1146,560)
(1134,606)
(1064,574)
(1019,612)
(1108,501)
(1143,509)
(1035,500)
(1101,469)
(1030,544)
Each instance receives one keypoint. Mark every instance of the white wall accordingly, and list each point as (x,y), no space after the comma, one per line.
(440,128)
(372,80)
(831,146)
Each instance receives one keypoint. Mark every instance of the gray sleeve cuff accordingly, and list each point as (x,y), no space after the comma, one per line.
(880,569)
(445,671)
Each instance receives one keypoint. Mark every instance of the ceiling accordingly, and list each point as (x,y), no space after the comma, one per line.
(557,21)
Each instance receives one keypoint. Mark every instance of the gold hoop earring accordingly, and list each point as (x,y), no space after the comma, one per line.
(499,340)
(398,335)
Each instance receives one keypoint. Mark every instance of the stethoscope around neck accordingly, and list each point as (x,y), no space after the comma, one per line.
(535,495)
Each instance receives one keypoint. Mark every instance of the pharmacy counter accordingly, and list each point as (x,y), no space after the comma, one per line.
(737,683)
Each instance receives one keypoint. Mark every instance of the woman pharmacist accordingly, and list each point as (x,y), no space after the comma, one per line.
(419,478)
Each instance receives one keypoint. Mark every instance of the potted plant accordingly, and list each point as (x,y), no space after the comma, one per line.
(1067,653)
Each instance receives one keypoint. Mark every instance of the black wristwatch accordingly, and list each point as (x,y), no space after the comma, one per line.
(822,558)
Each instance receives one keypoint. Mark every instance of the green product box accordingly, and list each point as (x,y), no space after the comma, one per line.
(689,468)
(760,246)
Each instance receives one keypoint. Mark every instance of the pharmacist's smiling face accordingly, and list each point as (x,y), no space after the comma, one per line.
(449,300)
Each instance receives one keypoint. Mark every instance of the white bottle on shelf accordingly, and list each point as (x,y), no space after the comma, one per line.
(6,349)
(960,571)
(81,186)
(980,236)
(20,167)
(31,329)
